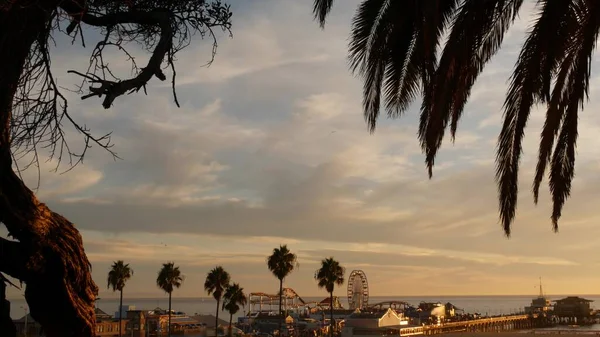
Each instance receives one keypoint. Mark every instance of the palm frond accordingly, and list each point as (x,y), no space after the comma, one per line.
(527,87)
(562,168)
(118,275)
(234,297)
(282,262)
(330,274)
(322,8)
(169,277)
(476,35)
(217,280)
(391,43)
(559,17)
(393,49)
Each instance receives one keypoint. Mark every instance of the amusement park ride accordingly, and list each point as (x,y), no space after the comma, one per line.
(357,292)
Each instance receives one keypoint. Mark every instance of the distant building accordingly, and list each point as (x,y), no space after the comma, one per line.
(326,303)
(123,310)
(573,306)
(431,311)
(101,315)
(451,310)
(136,323)
(377,319)
(107,326)
(156,322)
(372,323)
(541,304)
(208,320)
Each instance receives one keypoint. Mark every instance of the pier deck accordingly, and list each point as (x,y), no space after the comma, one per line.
(491,324)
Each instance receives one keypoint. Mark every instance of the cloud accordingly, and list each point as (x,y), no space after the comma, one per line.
(270,147)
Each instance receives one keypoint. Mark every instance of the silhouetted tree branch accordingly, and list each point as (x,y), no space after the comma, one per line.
(48,254)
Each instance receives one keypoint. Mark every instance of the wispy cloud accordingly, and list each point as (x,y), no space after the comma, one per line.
(270,147)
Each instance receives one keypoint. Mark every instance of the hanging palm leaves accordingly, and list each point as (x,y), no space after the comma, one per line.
(393,47)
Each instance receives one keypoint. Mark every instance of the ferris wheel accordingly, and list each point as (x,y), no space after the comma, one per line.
(358,290)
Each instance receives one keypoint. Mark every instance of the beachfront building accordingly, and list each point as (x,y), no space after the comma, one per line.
(539,305)
(375,319)
(430,312)
(267,322)
(573,307)
(108,326)
(156,323)
(208,321)
(136,323)
(369,323)
(322,312)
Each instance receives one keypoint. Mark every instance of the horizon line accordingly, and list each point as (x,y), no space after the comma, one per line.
(373,296)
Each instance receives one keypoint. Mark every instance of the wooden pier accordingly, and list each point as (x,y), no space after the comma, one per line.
(492,324)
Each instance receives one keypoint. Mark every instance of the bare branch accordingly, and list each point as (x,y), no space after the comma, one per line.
(162,28)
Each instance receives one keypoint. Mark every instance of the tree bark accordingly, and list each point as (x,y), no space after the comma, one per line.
(169,327)
(217,317)
(120,311)
(280,299)
(230,326)
(49,255)
(331,313)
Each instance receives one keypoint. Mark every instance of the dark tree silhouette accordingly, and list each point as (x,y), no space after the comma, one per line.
(281,263)
(169,278)
(47,253)
(217,281)
(119,274)
(328,276)
(232,299)
(393,47)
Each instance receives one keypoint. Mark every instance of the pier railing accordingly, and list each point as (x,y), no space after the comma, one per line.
(502,323)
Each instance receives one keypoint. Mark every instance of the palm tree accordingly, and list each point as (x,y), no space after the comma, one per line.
(329,275)
(232,299)
(169,278)
(117,277)
(393,47)
(217,280)
(281,263)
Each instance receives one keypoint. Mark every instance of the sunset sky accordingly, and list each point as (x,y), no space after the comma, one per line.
(270,147)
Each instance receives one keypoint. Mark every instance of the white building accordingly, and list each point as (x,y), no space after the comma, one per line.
(368,323)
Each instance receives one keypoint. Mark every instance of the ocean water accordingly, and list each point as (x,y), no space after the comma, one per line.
(491,305)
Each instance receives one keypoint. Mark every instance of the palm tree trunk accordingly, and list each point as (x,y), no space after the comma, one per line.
(230,328)
(120,312)
(331,312)
(169,327)
(217,317)
(280,298)
(48,252)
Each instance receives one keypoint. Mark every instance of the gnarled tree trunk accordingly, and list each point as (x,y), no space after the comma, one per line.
(49,255)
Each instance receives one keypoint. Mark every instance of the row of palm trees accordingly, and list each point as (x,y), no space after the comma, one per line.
(230,296)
